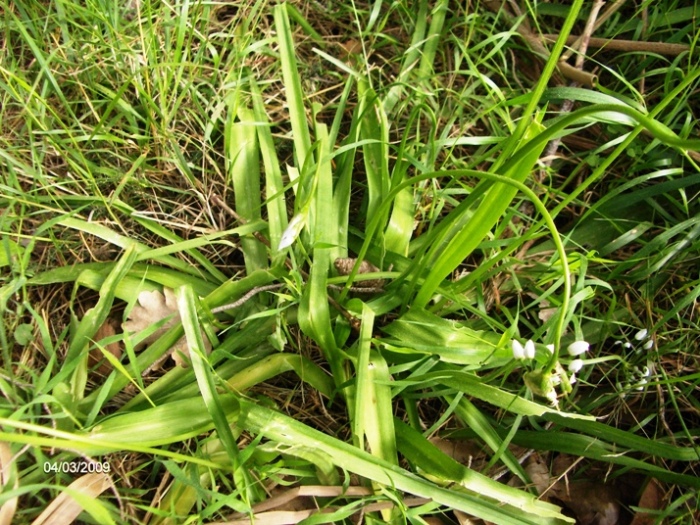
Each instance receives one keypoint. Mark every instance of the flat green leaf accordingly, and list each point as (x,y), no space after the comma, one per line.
(285,430)
(24,334)
(91,321)
(427,333)
(243,169)
(10,251)
(473,386)
(431,460)
(292,85)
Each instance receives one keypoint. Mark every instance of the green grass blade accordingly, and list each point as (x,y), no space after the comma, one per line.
(475,420)
(93,319)
(277,364)
(427,333)
(473,386)
(292,84)
(274,184)
(373,397)
(427,457)
(287,431)
(314,313)
(202,370)
(243,169)
(374,129)
(410,58)
(437,20)
(446,258)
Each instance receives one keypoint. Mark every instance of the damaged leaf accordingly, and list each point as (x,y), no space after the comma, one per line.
(155,307)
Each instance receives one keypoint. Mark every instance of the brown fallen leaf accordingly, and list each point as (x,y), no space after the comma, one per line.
(464,519)
(8,471)
(592,503)
(461,451)
(538,471)
(107,329)
(154,307)
(653,499)
(344,265)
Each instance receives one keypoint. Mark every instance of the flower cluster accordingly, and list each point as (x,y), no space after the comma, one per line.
(543,383)
(528,351)
(635,377)
(641,335)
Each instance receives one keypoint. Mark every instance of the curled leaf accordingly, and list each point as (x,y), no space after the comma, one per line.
(292,232)
(154,307)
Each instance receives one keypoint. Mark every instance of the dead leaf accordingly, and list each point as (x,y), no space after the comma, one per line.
(563,464)
(64,509)
(546,312)
(460,450)
(538,471)
(154,307)
(352,46)
(592,503)
(344,265)
(7,471)
(653,499)
(107,329)
(462,518)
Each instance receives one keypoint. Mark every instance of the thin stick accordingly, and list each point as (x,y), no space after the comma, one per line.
(568,104)
(536,45)
(247,297)
(220,202)
(614,44)
(587,32)
(576,44)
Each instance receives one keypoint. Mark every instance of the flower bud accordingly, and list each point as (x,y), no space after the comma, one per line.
(578,348)
(518,350)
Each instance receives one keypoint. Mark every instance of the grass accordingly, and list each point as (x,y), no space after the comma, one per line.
(214,149)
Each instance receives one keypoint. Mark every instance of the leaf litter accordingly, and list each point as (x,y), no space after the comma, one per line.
(154,307)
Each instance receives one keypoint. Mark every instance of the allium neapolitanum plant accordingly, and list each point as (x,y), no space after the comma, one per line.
(382,355)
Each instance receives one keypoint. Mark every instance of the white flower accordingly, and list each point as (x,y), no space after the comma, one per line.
(575,365)
(572,379)
(518,350)
(641,334)
(628,345)
(550,348)
(292,232)
(530,349)
(523,352)
(578,348)
(649,344)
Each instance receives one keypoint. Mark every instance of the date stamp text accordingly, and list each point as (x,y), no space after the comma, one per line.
(80,466)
